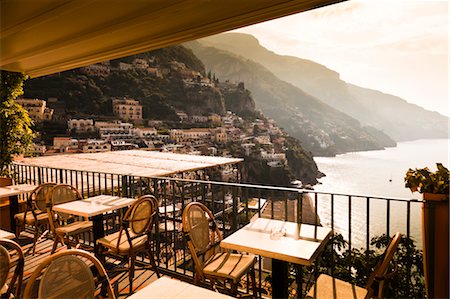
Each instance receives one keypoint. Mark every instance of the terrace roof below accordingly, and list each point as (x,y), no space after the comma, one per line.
(133,162)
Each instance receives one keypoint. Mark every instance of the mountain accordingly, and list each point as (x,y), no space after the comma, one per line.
(322,129)
(394,116)
(155,78)
(167,81)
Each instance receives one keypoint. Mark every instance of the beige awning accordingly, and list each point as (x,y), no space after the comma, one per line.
(41,37)
(134,162)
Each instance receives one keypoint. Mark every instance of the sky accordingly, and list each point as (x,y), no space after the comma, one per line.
(400,47)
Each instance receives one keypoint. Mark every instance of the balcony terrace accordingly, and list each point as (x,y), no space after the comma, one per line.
(46,37)
(350,253)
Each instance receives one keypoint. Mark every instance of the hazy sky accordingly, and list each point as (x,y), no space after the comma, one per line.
(397,46)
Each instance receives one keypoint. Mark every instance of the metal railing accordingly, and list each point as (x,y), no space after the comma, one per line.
(357,218)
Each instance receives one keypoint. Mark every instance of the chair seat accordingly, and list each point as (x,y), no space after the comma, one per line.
(228,265)
(110,242)
(74,228)
(41,216)
(333,288)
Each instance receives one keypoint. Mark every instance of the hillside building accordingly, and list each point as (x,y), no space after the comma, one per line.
(196,136)
(127,109)
(114,130)
(81,125)
(37,109)
(94,146)
(145,132)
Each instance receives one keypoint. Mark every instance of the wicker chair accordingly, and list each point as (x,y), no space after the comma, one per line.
(333,288)
(134,235)
(203,238)
(69,273)
(65,228)
(8,262)
(35,214)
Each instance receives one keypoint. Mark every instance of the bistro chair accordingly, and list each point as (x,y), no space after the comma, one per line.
(65,228)
(35,214)
(203,237)
(333,288)
(71,273)
(134,236)
(9,261)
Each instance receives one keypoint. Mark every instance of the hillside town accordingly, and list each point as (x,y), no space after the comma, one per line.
(194,134)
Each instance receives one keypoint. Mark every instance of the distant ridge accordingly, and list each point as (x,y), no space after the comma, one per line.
(320,128)
(393,115)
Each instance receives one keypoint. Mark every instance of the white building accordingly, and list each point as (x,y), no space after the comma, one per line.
(81,125)
(114,130)
(199,118)
(122,145)
(145,132)
(95,146)
(273,157)
(195,136)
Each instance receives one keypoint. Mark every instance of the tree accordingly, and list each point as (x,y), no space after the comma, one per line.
(16,135)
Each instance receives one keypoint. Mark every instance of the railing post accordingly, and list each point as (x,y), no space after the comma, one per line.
(125,186)
(234,222)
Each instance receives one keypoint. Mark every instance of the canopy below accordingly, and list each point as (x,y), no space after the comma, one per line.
(41,37)
(134,162)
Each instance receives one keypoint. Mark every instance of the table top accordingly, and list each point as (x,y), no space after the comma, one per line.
(166,288)
(6,234)
(255,238)
(16,190)
(94,206)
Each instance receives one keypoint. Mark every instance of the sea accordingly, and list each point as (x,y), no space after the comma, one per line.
(377,173)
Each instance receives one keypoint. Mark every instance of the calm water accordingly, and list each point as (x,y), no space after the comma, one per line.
(377,173)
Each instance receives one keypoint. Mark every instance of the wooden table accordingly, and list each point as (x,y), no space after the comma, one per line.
(13,192)
(166,288)
(6,234)
(94,208)
(255,238)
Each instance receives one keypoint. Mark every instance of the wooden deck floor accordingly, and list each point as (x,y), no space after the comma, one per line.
(119,281)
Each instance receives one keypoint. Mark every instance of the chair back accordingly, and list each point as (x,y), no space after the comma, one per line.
(201,232)
(139,218)
(375,284)
(68,274)
(57,195)
(7,262)
(39,195)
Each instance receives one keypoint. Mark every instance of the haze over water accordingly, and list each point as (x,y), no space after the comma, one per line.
(369,174)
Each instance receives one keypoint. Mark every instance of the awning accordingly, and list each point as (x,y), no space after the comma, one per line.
(134,162)
(41,37)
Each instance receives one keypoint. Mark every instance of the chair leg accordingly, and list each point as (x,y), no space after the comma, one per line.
(55,244)
(18,228)
(36,236)
(131,271)
(234,288)
(153,263)
(253,278)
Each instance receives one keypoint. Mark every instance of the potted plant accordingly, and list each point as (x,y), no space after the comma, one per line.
(434,187)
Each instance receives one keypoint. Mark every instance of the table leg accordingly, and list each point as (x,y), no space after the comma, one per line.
(98,230)
(13,210)
(279,279)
